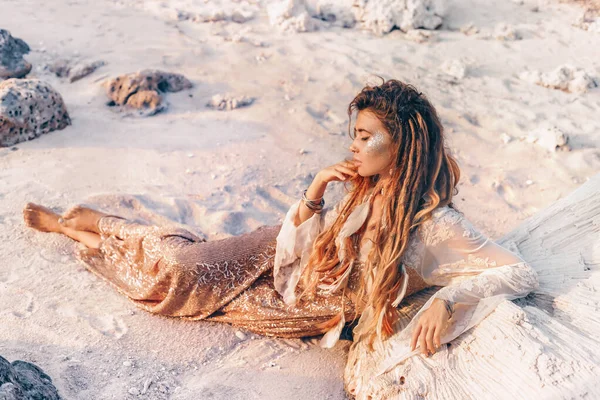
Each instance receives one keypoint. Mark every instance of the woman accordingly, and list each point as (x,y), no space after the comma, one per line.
(394,233)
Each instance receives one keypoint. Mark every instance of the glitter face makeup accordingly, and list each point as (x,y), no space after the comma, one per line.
(372,146)
(376,144)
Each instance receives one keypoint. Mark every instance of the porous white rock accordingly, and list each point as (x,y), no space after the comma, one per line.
(455,68)
(381,16)
(549,137)
(290,16)
(227,102)
(566,77)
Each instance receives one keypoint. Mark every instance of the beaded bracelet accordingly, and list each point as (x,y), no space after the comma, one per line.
(313,205)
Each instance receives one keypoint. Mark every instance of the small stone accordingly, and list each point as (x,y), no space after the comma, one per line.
(240,335)
(213,176)
(529,182)
(506,138)
(127,363)
(134,391)
(190,155)
(302,151)
(147,384)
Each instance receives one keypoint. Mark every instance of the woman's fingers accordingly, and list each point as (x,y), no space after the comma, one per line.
(415,336)
(345,170)
(340,176)
(349,164)
(430,345)
(423,341)
(436,338)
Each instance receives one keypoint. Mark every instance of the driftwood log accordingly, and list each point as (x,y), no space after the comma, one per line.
(543,346)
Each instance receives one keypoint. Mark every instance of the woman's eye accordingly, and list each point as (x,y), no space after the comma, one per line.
(364,139)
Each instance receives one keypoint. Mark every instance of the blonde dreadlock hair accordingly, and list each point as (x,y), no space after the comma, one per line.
(424,177)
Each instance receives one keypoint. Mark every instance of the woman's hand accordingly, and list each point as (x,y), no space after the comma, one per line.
(430,327)
(338,172)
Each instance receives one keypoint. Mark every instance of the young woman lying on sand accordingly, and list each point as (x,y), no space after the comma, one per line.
(395,232)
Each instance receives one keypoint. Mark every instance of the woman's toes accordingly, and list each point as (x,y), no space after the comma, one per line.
(40,218)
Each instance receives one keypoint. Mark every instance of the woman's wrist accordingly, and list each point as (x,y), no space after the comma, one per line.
(315,192)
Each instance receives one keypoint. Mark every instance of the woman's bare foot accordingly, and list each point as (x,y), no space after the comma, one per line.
(82,219)
(41,218)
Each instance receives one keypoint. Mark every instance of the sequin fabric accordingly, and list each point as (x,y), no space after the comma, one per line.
(170,271)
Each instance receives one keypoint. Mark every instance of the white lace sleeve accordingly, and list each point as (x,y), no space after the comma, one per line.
(294,244)
(476,274)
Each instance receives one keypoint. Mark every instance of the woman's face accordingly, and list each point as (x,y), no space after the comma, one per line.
(372,145)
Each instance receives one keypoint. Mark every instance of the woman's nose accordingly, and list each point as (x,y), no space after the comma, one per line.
(352,148)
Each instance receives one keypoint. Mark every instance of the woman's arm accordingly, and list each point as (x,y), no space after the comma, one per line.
(315,191)
(337,172)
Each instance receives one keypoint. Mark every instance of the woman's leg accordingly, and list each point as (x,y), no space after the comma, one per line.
(45,220)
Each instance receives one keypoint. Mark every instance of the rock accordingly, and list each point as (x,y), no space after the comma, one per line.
(63,69)
(29,108)
(21,380)
(134,391)
(550,137)
(240,335)
(506,32)
(381,16)
(142,91)
(12,64)
(147,384)
(566,77)
(506,138)
(290,16)
(226,102)
(455,68)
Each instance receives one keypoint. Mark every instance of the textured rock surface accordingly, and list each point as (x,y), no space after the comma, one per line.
(73,72)
(29,108)
(566,77)
(12,64)
(291,16)
(226,102)
(550,137)
(25,381)
(142,91)
(379,16)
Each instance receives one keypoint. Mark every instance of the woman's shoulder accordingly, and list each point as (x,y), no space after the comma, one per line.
(441,217)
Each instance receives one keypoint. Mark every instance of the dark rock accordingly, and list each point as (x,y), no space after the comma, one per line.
(29,108)
(12,64)
(143,90)
(64,69)
(25,381)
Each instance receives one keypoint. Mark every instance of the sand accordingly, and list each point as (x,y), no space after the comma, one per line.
(226,172)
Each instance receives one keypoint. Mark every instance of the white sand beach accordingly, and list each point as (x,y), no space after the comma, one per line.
(226,172)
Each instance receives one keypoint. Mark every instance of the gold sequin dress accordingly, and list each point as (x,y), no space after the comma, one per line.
(251,281)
